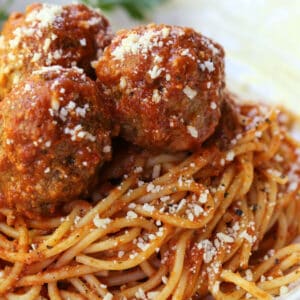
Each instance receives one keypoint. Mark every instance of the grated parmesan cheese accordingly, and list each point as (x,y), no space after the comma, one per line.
(106,149)
(123,83)
(249,275)
(203,196)
(131,215)
(101,223)
(230,155)
(45,16)
(224,237)
(155,72)
(213,105)
(156,96)
(140,294)
(108,296)
(149,208)
(192,131)
(189,92)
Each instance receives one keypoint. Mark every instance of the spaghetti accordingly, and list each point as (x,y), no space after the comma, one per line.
(177,226)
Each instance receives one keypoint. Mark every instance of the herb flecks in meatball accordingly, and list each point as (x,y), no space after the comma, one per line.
(45,35)
(54,137)
(164,84)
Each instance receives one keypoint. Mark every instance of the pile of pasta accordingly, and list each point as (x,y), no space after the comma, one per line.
(214,223)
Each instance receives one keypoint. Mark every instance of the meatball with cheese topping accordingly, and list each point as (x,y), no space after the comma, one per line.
(45,35)
(164,85)
(55,135)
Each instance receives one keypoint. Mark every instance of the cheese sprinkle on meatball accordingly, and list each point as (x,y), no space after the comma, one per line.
(55,135)
(46,35)
(164,84)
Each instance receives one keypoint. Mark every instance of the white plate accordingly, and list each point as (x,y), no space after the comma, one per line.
(261,40)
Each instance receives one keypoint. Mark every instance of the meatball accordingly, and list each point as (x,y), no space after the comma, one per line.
(229,125)
(55,135)
(164,85)
(45,35)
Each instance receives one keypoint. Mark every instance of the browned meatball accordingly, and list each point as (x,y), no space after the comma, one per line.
(54,137)
(165,85)
(47,35)
(229,125)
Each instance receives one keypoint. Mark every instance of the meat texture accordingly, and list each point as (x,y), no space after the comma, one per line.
(55,135)
(164,85)
(46,35)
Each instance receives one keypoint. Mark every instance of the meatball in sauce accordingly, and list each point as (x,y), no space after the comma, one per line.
(55,135)
(46,35)
(164,85)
